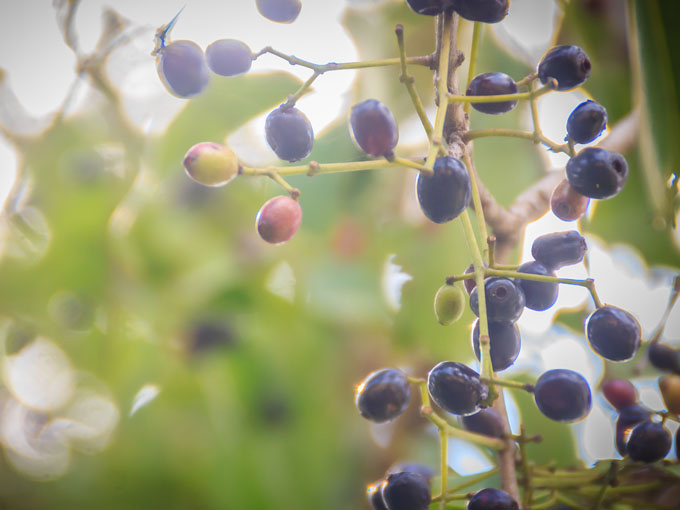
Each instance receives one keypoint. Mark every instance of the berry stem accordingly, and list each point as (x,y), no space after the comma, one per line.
(292,99)
(608,481)
(444,438)
(675,292)
(293,192)
(508,383)
(531,95)
(527,495)
(477,202)
(516,133)
(474,48)
(527,79)
(408,81)
(313,168)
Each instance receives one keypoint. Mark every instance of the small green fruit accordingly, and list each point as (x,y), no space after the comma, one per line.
(211,164)
(449,304)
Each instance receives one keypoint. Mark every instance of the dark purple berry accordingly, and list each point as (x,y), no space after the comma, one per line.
(456,388)
(664,357)
(182,68)
(414,467)
(430,7)
(278,219)
(289,134)
(597,173)
(504,341)
(281,11)
(559,249)
(373,127)
(569,65)
(613,333)
(374,495)
(486,11)
(504,300)
(649,442)
(470,283)
(566,203)
(492,499)
(487,422)
(629,417)
(539,295)
(228,57)
(445,194)
(563,395)
(406,491)
(383,395)
(619,393)
(492,84)
(586,122)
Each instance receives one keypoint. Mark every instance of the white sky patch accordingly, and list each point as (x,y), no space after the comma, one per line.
(393,279)
(596,433)
(466,458)
(572,353)
(281,281)
(144,397)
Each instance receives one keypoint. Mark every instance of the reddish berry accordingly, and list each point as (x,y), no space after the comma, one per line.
(279,219)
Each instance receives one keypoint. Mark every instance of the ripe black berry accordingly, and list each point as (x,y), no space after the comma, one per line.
(289,134)
(586,122)
(374,495)
(470,283)
(278,219)
(281,11)
(228,57)
(649,442)
(664,357)
(374,128)
(430,7)
(456,388)
(182,68)
(566,203)
(613,333)
(619,392)
(504,342)
(563,395)
(492,499)
(504,300)
(597,173)
(487,422)
(487,11)
(569,65)
(383,395)
(629,417)
(406,491)
(539,295)
(445,194)
(559,249)
(414,467)
(492,84)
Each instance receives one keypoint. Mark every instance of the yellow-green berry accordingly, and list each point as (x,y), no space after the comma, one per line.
(211,164)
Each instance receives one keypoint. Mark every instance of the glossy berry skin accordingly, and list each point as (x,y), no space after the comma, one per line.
(486,11)
(559,249)
(278,219)
(504,342)
(539,295)
(492,499)
(289,133)
(629,417)
(182,68)
(228,57)
(563,395)
(425,471)
(504,300)
(669,385)
(492,84)
(456,388)
(586,122)
(211,164)
(449,303)
(487,422)
(374,495)
(383,395)
(649,442)
(664,357)
(569,65)
(406,491)
(470,283)
(445,194)
(281,11)
(566,203)
(619,393)
(613,333)
(429,7)
(373,128)
(597,173)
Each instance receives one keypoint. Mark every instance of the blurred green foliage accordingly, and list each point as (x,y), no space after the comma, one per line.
(266,418)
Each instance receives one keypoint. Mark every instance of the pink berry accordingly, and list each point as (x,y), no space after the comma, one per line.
(279,219)
(619,392)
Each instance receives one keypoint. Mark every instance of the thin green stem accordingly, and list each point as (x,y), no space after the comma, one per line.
(292,99)
(675,292)
(293,192)
(507,383)
(468,483)
(563,498)
(444,438)
(528,494)
(408,81)
(528,78)
(611,476)
(411,164)
(543,504)
(621,489)
(519,96)
(479,210)
(516,133)
(474,48)
(313,168)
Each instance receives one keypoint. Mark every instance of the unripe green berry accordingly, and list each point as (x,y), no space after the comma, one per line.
(211,164)
(449,303)
(670,391)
